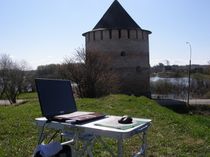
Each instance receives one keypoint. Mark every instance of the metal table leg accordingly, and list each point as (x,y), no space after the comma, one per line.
(144,144)
(143,148)
(120,147)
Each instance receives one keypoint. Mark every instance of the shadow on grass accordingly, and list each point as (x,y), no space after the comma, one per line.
(175,105)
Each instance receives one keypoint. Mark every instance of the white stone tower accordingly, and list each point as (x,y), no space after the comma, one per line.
(120,37)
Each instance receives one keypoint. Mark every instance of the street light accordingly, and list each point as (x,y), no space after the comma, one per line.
(188,93)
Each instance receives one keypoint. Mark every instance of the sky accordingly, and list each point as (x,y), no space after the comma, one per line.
(46,31)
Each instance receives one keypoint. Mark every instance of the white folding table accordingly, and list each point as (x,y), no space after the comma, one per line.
(91,132)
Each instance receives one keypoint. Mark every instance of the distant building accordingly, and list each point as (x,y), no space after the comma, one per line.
(119,36)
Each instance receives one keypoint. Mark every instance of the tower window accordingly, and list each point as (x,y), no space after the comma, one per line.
(137,34)
(142,35)
(88,36)
(138,69)
(128,34)
(102,35)
(123,54)
(110,34)
(119,33)
(94,36)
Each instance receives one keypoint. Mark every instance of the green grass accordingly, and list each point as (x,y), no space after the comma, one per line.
(171,134)
(200,76)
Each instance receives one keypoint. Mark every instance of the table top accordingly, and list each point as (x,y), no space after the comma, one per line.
(107,126)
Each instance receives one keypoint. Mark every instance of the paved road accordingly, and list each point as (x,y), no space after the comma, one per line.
(199,102)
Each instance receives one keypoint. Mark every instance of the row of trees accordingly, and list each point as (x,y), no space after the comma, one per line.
(179,71)
(90,73)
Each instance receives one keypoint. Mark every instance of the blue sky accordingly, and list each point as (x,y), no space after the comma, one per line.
(46,31)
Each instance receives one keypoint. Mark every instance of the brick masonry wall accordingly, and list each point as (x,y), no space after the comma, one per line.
(129,50)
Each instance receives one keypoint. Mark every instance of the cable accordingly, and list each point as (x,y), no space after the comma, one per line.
(42,130)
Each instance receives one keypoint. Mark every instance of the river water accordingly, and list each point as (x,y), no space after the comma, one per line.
(178,87)
(175,81)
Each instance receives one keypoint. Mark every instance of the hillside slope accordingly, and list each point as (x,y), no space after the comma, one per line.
(171,134)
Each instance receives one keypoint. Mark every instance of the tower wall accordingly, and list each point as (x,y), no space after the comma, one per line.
(129,51)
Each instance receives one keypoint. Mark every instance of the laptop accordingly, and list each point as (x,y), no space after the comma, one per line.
(57,102)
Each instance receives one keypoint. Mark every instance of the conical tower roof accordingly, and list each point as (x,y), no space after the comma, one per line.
(116,17)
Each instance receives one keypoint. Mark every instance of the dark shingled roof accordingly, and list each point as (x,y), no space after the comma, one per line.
(116,17)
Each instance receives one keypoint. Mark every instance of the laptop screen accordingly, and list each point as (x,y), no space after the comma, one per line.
(55,97)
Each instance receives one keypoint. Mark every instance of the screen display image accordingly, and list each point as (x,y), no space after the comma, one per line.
(55,97)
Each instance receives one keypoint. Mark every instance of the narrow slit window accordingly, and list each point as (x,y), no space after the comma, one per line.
(122,54)
(88,36)
(94,36)
(142,35)
(138,69)
(119,33)
(128,34)
(137,34)
(110,34)
(102,37)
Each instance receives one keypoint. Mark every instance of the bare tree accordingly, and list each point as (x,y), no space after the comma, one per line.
(92,73)
(12,77)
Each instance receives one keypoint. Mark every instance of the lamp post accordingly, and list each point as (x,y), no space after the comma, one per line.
(188,93)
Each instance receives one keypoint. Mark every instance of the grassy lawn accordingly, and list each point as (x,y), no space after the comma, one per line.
(171,134)
(201,76)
